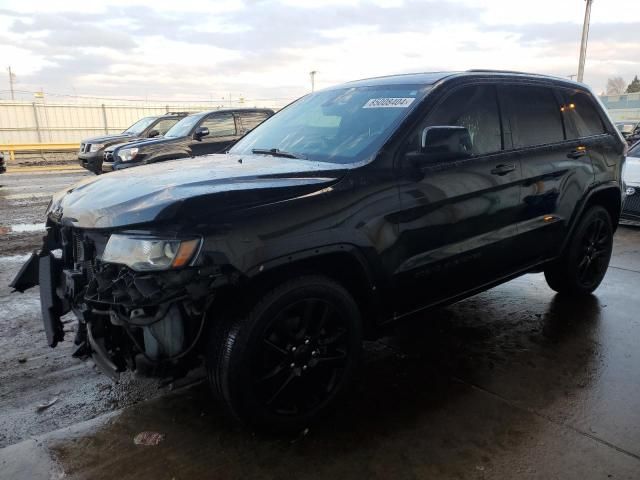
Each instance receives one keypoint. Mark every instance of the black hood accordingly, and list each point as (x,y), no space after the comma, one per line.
(148,142)
(109,139)
(179,188)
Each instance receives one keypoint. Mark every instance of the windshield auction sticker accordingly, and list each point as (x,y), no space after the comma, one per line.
(397,102)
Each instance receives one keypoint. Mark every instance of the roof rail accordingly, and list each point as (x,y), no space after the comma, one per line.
(177,113)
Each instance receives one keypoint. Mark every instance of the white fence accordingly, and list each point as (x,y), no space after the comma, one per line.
(36,122)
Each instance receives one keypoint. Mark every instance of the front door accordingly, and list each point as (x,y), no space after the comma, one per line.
(222,134)
(458,218)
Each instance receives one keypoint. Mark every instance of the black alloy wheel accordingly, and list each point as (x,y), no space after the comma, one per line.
(584,264)
(302,357)
(596,248)
(290,357)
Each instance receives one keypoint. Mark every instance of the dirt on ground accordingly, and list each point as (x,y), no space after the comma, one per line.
(31,373)
(44,159)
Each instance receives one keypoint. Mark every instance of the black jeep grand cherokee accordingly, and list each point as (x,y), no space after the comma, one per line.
(351,207)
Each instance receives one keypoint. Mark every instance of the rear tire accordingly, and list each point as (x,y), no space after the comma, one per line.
(290,357)
(584,263)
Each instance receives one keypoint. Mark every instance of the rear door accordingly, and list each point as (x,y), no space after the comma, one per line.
(222,133)
(556,168)
(585,126)
(458,222)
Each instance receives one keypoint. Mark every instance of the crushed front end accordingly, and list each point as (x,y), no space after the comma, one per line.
(141,300)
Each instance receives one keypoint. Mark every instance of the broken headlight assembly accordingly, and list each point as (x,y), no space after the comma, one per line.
(149,253)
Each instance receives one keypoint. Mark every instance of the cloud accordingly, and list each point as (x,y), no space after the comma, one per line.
(266,48)
(567,32)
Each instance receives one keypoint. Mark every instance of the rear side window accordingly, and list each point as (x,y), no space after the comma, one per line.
(250,120)
(475,108)
(220,125)
(533,115)
(580,114)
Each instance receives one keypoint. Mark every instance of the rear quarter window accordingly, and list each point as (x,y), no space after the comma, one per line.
(532,115)
(580,115)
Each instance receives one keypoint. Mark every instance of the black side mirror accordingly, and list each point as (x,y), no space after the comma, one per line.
(200,132)
(442,143)
(153,133)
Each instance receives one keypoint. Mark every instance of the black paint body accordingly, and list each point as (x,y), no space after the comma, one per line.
(402,237)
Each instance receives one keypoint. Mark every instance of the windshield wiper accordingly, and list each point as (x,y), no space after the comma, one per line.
(274,152)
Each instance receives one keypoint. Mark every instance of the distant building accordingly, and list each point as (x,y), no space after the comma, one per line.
(623,107)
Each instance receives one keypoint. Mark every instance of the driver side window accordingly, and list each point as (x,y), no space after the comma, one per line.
(474,108)
(220,125)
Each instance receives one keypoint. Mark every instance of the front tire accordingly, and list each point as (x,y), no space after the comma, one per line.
(290,357)
(584,264)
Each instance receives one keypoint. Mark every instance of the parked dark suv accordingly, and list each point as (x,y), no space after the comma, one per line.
(198,134)
(92,149)
(351,207)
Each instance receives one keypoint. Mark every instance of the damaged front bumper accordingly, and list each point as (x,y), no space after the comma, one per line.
(126,319)
(42,269)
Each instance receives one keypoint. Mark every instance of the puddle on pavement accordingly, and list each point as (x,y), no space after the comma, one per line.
(454,395)
(22,228)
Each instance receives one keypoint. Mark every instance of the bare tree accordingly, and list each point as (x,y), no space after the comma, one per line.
(616,86)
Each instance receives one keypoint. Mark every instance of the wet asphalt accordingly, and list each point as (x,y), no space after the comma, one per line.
(516,382)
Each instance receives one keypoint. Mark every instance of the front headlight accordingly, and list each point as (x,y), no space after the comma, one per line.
(95,147)
(143,253)
(128,154)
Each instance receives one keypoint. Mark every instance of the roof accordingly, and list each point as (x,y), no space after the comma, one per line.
(427,78)
(207,112)
(430,78)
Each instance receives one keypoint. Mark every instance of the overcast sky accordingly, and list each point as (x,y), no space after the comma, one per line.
(171,49)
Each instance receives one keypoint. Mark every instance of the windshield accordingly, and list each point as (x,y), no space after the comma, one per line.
(634,151)
(183,127)
(139,127)
(340,126)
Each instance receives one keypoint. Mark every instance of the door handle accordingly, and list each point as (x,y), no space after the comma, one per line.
(577,153)
(503,169)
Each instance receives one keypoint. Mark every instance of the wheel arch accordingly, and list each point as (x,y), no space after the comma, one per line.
(343,263)
(608,195)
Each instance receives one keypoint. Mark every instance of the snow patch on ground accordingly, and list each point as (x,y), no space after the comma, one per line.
(15,258)
(27,227)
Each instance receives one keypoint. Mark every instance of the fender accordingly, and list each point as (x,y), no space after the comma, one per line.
(316,252)
(579,210)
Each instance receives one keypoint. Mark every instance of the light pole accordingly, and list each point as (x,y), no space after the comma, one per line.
(312,74)
(585,38)
(12,78)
